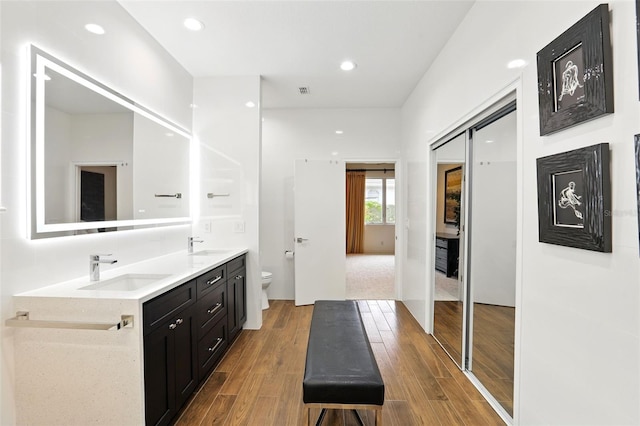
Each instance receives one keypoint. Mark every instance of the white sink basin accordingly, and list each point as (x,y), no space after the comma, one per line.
(210,252)
(126,282)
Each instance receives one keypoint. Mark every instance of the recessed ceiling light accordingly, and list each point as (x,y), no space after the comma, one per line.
(348,66)
(517,63)
(193,24)
(94,29)
(339,132)
(250,104)
(488,141)
(334,153)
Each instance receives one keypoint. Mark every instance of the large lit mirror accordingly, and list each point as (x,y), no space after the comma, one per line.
(99,161)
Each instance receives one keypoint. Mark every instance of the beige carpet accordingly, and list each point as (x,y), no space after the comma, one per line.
(446,288)
(370,276)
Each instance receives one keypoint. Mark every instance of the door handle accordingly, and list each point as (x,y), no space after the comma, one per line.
(300,240)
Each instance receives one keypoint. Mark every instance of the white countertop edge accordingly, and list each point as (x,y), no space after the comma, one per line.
(180,266)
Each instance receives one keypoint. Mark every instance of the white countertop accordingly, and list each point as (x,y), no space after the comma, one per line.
(179,267)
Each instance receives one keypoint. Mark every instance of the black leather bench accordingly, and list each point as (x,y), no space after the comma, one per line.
(341,371)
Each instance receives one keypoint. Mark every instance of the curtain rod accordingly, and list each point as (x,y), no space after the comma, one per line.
(371,170)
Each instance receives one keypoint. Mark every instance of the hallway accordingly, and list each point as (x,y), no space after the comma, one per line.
(259,382)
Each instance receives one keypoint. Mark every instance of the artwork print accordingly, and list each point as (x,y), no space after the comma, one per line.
(568,189)
(637,157)
(569,79)
(452,192)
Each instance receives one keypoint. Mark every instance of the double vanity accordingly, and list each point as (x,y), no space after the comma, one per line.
(130,348)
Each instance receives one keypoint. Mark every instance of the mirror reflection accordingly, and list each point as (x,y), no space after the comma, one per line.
(448,289)
(492,273)
(99,161)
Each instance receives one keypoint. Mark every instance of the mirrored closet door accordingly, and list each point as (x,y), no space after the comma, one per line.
(492,255)
(475,251)
(448,326)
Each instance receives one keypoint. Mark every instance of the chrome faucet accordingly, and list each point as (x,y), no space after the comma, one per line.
(190,242)
(94,265)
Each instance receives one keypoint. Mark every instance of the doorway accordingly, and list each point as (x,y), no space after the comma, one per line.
(475,245)
(370,230)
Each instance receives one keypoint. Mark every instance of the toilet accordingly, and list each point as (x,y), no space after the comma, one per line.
(266,280)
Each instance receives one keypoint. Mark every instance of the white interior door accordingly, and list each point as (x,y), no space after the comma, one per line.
(319,224)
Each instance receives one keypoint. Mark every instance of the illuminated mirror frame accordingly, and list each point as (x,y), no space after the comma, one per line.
(39,60)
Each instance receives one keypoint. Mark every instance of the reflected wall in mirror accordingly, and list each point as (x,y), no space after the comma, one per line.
(448,289)
(99,161)
(492,272)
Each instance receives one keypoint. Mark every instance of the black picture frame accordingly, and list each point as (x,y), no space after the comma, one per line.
(638,40)
(637,157)
(452,193)
(577,215)
(578,64)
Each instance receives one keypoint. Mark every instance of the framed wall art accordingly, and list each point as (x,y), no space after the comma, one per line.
(452,192)
(574,198)
(637,157)
(575,78)
(638,36)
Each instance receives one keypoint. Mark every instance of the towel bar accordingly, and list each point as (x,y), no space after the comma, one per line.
(22,320)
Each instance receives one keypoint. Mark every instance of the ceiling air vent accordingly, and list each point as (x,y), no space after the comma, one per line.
(304,90)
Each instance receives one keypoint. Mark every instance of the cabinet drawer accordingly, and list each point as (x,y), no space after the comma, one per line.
(211,307)
(237,263)
(441,242)
(207,282)
(211,348)
(161,308)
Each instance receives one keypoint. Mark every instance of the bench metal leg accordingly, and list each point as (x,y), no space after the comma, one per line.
(323,413)
(358,418)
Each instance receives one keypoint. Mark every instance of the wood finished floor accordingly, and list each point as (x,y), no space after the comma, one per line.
(493,344)
(259,381)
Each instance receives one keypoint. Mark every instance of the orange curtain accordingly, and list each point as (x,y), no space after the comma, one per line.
(355,211)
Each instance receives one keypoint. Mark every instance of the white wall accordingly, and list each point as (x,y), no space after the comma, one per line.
(578,324)
(125,58)
(228,136)
(369,134)
(379,239)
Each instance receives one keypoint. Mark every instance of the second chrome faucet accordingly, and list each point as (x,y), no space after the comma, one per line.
(94,265)
(190,242)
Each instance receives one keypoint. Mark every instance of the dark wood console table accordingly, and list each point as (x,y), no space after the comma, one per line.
(447,253)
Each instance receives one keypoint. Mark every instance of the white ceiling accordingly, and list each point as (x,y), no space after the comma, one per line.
(301,43)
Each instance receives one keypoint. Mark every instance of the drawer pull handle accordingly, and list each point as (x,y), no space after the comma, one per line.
(179,321)
(215,280)
(218,343)
(214,309)
(172,326)
(239,277)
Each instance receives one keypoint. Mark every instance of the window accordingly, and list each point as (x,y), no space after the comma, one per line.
(380,201)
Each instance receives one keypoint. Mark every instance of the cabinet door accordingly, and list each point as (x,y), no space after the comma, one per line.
(237,307)
(232,319)
(159,376)
(241,297)
(186,363)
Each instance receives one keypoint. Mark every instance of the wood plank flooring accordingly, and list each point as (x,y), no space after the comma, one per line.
(493,344)
(259,381)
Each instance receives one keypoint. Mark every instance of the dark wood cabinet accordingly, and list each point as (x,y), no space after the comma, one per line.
(170,361)
(186,332)
(447,253)
(237,291)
